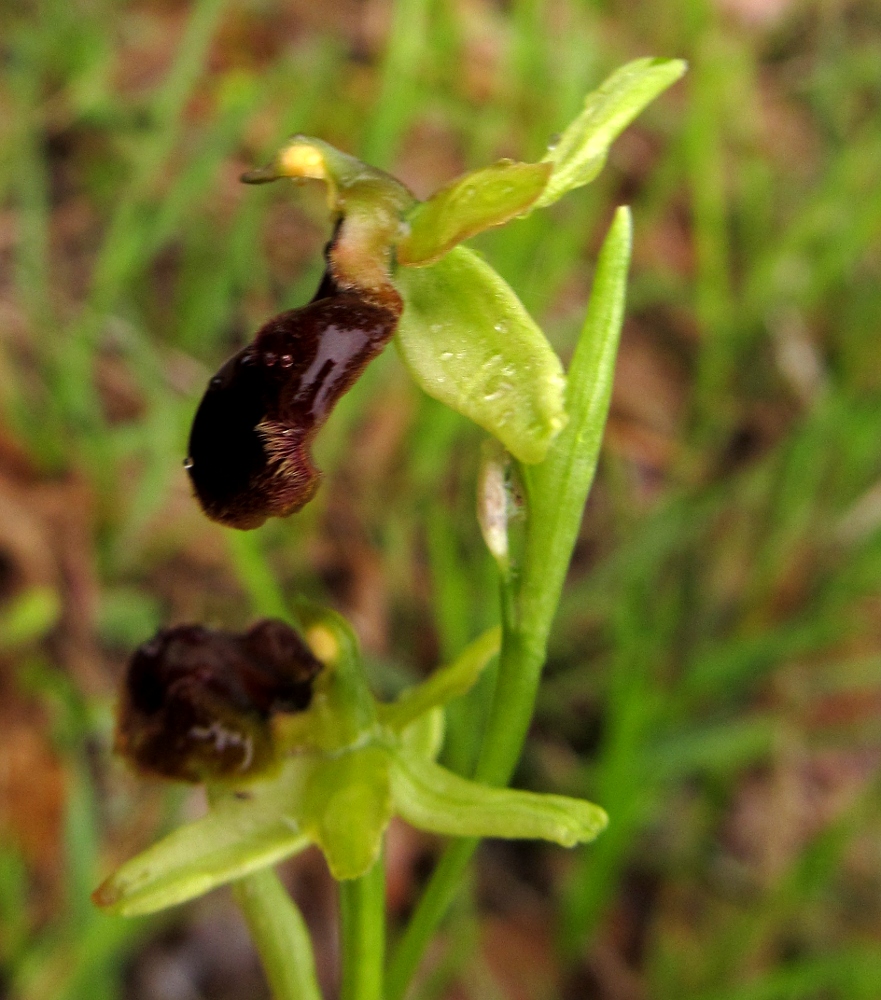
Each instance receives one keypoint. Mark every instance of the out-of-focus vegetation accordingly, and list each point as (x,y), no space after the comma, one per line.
(715,677)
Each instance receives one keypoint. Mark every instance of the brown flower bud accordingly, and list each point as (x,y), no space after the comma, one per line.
(197,703)
(250,445)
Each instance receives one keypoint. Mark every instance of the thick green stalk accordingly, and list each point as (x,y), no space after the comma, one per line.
(362,930)
(280,935)
(556,490)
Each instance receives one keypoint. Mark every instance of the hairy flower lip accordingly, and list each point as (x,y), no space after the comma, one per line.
(249,452)
(197,703)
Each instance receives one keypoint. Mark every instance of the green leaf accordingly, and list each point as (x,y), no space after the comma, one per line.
(432,798)
(347,806)
(468,342)
(238,836)
(557,489)
(468,205)
(444,684)
(582,150)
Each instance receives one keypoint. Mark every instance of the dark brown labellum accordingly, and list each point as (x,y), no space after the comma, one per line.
(197,703)
(250,445)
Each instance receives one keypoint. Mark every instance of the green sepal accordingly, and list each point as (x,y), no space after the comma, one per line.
(468,205)
(238,836)
(469,342)
(444,684)
(582,149)
(432,798)
(346,807)
(425,735)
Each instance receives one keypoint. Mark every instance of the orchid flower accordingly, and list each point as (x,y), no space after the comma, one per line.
(348,764)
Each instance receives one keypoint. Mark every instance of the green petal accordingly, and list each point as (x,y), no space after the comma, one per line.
(468,205)
(347,806)
(432,798)
(444,684)
(582,150)
(237,837)
(468,342)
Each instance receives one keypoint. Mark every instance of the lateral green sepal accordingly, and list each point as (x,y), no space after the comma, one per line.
(238,836)
(468,341)
(432,798)
(582,149)
(468,205)
(346,807)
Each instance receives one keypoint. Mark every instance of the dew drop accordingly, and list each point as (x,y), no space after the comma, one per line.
(269,358)
(286,360)
(215,382)
(188,463)
(447,356)
(247,358)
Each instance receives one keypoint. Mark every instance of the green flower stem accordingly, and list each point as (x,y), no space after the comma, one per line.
(280,935)
(441,891)
(362,930)
(556,491)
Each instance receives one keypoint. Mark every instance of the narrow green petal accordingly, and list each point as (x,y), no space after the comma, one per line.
(346,807)
(466,206)
(432,798)
(468,341)
(238,836)
(444,684)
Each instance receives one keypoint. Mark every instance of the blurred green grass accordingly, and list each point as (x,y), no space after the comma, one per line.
(715,675)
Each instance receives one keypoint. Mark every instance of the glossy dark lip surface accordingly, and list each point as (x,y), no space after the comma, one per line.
(249,452)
